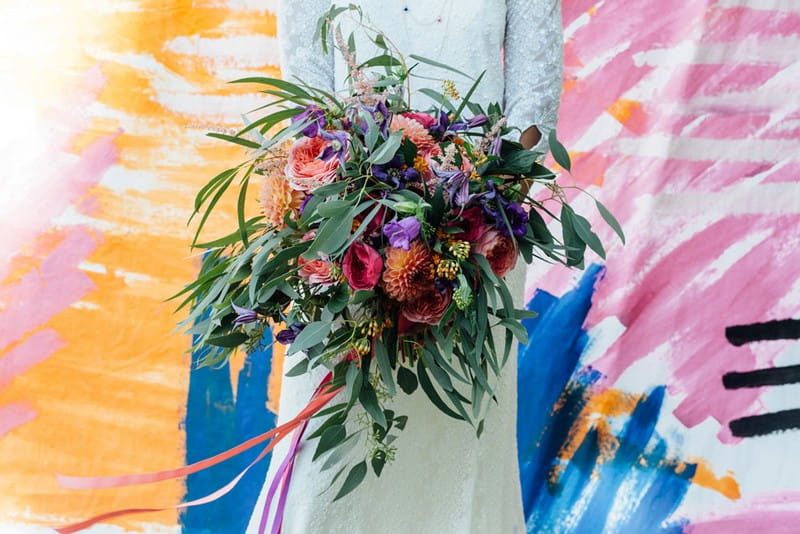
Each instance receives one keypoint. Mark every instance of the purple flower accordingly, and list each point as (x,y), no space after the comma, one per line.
(402,232)
(381,115)
(456,183)
(303,204)
(495,206)
(444,128)
(477,120)
(497,144)
(290,334)
(339,145)
(395,173)
(243,315)
(517,218)
(316,118)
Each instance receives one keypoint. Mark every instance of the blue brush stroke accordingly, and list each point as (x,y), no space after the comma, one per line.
(215,422)
(553,389)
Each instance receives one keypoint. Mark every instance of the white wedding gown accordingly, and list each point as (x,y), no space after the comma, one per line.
(444,479)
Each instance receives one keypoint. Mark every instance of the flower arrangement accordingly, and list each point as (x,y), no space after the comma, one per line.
(383,239)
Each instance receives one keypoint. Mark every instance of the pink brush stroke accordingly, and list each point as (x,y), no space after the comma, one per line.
(15,415)
(657,285)
(33,350)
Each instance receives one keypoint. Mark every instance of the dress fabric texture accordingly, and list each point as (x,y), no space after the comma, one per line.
(443,479)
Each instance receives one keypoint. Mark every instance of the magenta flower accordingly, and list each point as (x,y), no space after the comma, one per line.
(402,232)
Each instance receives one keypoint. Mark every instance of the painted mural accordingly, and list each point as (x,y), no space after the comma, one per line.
(669,373)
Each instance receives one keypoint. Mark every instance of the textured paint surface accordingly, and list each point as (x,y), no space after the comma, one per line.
(683,118)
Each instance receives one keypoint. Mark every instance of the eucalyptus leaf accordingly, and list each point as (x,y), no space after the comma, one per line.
(312,334)
(354,478)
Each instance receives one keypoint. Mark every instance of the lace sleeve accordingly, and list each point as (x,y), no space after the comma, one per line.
(533,65)
(301,54)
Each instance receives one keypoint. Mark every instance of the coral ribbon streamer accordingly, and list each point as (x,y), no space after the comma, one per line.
(318,400)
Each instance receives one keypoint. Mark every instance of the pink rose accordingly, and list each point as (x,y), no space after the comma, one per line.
(427,309)
(317,272)
(362,266)
(499,251)
(423,118)
(304,170)
(471,223)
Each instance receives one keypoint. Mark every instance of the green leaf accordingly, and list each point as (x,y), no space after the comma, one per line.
(560,153)
(516,327)
(298,369)
(354,478)
(610,220)
(384,367)
(332,437)
(340,452)
(354,380)
(339,299)
(384,60)
(387,150)
(378,461)
(333,208)
(236,140)
(575,246)
(240,208)
(584,229)
(228,341)
(331,235)
(274,82)
(407,380)
(312,334)
(465,100)
(427,387)
(438,64)
(362,295)
(369,400)
(438,98)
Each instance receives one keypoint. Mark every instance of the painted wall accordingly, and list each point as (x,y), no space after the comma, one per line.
(683,118)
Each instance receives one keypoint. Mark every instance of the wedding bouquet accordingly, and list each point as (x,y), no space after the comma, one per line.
(381,245)
(380,249)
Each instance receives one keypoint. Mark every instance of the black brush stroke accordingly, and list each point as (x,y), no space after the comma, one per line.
(761,425)
(775,376)
(748,333)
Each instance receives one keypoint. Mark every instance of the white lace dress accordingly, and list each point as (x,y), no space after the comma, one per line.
(444,479)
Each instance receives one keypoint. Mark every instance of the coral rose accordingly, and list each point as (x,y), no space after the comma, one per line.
(362,266)
(428,308)
(277,197)
(304,169)
(408,272)
(416,133)
(316,272)
(499,251)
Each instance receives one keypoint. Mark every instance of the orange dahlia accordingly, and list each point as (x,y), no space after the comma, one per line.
(277,197)
(415,132)
(408,272)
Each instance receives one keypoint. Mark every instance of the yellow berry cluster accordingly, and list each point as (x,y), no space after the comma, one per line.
(447,269)
(459,249)
(421,165)
(336,272)
(374,328)
(362,346)
(449,90)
